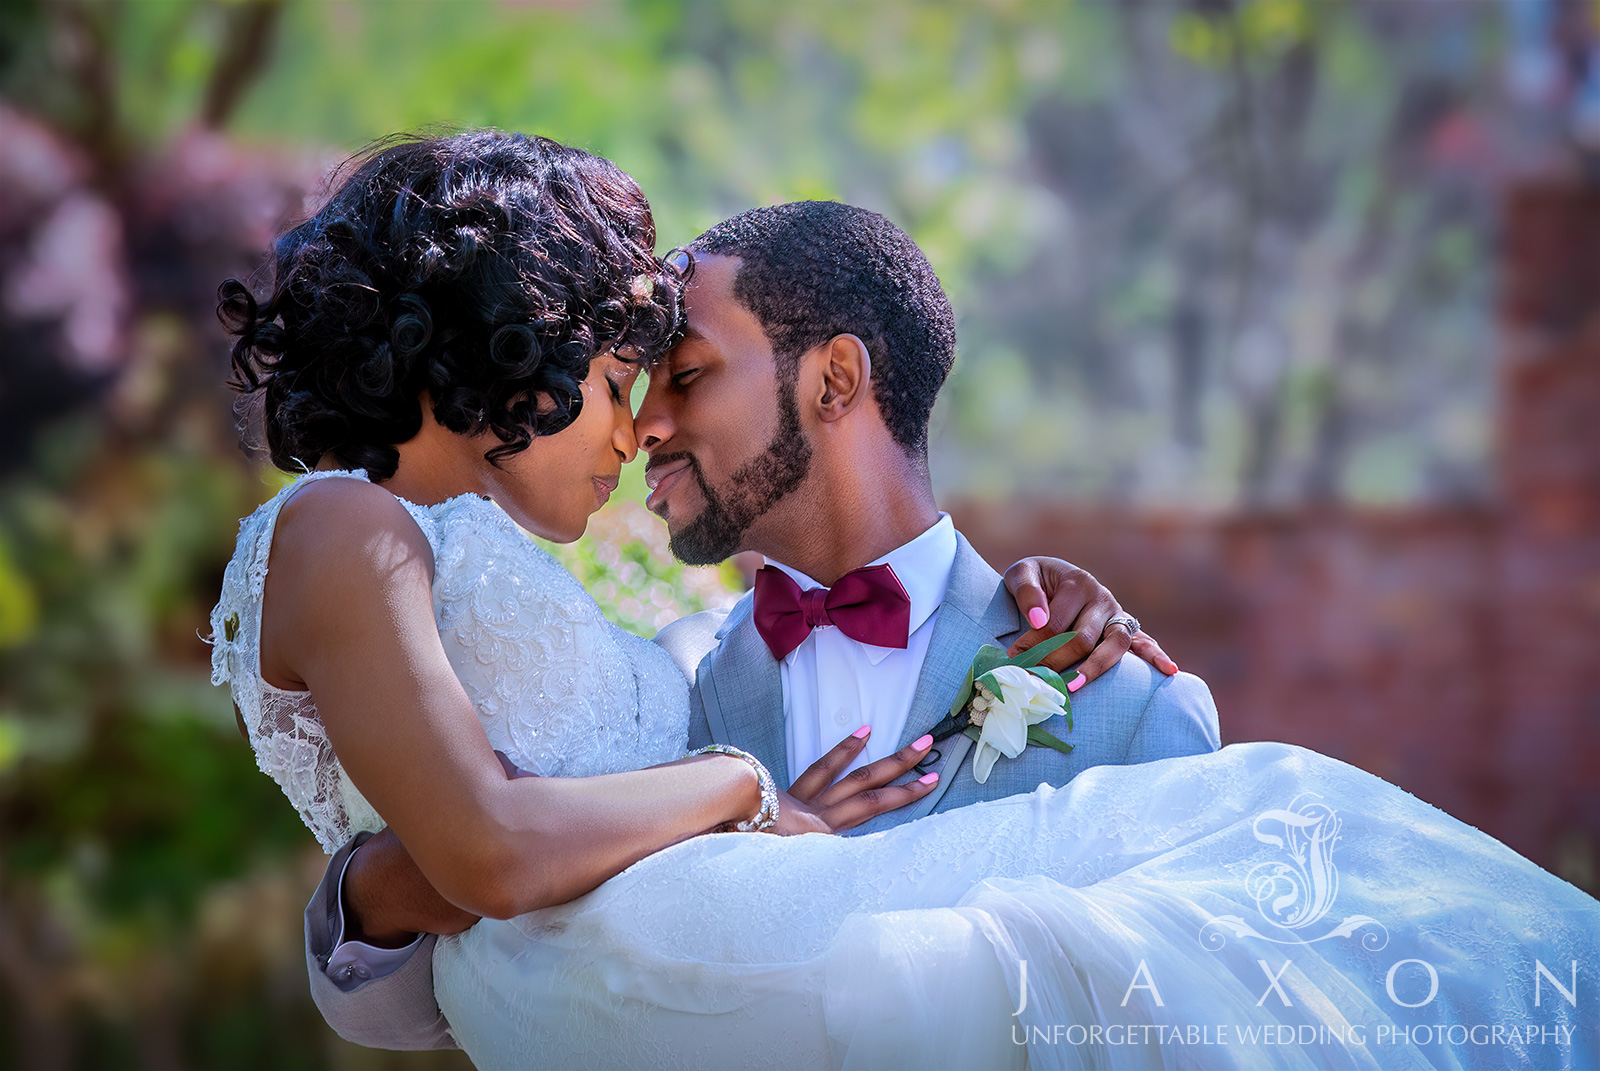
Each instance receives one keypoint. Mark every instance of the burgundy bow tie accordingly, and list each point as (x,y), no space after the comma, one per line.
(869,605)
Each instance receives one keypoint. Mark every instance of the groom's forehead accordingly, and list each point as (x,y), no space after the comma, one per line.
(720,324)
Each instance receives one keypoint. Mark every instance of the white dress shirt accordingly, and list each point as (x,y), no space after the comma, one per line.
(833,685)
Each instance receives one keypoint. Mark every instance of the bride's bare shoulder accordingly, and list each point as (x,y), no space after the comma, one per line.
(339,523)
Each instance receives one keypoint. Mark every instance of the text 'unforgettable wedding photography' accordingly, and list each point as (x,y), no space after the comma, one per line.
(1306,1036)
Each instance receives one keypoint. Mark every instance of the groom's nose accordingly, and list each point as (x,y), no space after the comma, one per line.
(653,424)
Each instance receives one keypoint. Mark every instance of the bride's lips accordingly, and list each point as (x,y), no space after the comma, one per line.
(603,486)
(661,480)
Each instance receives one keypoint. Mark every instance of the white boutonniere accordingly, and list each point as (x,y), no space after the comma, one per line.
(1003,701)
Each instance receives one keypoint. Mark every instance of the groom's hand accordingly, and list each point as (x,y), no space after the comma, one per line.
(1055,597)
(387,900)
(820,801)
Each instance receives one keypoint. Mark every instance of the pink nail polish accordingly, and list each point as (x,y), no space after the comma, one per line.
(926,740)
(928,778)
(862,732)
(1038,616)
(1075,683)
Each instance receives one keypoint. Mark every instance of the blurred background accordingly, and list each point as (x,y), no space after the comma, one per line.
(1278,315)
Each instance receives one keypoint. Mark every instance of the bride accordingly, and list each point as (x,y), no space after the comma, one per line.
(386,628)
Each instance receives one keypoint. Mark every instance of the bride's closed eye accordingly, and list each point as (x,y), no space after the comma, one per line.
(680,379)
(620,383)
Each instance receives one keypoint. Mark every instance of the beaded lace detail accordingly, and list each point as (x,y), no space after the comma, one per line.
(559,689)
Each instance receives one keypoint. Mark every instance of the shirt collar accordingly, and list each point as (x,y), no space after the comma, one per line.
(923,566)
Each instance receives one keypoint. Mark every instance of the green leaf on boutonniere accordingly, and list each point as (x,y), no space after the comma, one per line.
(989,656)
(988,681)
(1040,651)
(974,732)
(1037,735)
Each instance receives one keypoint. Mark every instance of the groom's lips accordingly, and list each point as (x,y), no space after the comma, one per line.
(661,480)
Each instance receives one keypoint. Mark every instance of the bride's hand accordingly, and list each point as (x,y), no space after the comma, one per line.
(1055,597)
(815,804)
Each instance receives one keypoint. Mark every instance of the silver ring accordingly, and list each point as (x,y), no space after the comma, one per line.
(1127,621)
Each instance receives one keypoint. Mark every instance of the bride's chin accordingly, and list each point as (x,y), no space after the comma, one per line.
(566,534)
(552,529)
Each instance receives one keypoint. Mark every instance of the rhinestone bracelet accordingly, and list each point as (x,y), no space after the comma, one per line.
(767,816)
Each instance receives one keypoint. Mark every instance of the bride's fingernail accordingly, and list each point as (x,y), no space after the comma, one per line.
(1038,616)
(926,741)
(1075,683)
(862,732)
(928,778)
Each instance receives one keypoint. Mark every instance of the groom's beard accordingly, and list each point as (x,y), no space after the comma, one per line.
(718,531)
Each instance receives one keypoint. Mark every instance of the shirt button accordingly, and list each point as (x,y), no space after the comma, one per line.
(840,716)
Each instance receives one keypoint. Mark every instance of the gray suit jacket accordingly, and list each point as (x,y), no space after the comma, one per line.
(1130,714)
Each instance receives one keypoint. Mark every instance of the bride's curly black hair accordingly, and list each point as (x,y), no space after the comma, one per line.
(485,268)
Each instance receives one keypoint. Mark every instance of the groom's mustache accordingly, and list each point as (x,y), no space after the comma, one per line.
(656,467)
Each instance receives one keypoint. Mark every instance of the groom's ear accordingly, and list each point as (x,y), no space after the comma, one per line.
(846,376)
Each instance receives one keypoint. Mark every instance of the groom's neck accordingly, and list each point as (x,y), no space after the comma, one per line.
(845,516)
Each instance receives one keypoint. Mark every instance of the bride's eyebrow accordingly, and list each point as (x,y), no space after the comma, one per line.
(618,363)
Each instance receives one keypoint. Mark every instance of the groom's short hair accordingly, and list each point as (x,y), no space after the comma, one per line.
(815,269)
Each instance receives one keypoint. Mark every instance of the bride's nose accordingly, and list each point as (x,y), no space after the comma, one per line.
(622,436)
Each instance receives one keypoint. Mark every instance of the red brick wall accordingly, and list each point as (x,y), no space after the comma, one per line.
(1455,652)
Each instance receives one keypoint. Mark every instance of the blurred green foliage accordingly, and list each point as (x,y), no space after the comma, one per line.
(1187,244)
(127,800)
(624,563)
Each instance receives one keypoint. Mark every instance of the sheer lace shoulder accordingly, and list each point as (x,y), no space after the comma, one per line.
(559,689)
(284,730)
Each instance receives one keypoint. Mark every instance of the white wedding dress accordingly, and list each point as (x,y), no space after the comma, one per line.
(1260,907)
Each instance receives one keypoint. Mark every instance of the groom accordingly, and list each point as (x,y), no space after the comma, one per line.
(820,332)
(793,421)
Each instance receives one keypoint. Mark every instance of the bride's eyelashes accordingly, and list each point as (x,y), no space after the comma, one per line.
(680,379)
(621,386)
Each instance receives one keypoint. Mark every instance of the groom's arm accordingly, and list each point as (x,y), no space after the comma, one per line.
(377,997)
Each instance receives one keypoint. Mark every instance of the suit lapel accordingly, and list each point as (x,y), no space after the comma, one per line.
(742,692)
(977,609)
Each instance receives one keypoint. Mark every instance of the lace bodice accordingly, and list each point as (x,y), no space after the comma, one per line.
(559,689)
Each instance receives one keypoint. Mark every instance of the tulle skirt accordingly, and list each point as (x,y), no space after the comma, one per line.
(1263,906)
